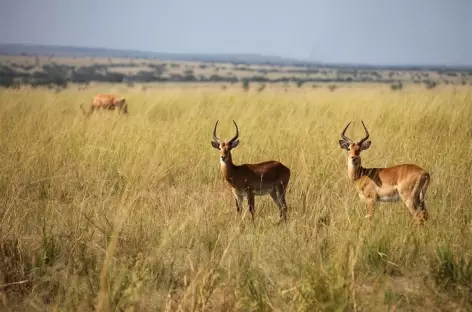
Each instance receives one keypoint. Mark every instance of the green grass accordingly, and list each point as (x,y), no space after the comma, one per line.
(132,214)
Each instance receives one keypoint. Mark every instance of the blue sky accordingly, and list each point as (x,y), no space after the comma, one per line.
(417,32)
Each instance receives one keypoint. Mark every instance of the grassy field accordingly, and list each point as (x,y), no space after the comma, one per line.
(132,214)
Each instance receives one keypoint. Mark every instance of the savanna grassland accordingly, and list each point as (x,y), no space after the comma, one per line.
(131,213)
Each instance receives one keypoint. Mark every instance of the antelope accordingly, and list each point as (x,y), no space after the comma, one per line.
(407,182)
(106,101)
(250,180)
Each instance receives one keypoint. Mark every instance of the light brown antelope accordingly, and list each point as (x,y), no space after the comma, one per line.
(107,101)
(407,182)
(247,180)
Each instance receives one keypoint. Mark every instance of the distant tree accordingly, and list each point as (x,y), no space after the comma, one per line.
(144,76)
(332,88)
(188,72)
(177,77)
(396,86)
(54,74)
(430,84)
(159,69)
(189,75)
(245,83)
(6,81)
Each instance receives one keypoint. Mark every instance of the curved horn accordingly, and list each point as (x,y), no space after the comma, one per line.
(344,131)
(366,134)
(214,133)
(237,133)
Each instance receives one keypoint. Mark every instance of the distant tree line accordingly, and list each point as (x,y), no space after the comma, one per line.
(53,74)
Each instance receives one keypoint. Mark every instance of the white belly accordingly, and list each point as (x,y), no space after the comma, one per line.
(389,198)
(385,198)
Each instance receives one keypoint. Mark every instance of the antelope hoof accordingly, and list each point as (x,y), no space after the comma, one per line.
(281,221)
(421,217)
(368,216)
(420,222)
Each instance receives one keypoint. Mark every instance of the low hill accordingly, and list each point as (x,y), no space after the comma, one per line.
(67,51)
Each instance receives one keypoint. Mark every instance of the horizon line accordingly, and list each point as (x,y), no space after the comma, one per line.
(294,60)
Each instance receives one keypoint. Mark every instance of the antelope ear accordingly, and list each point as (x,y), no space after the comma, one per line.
(365,145)
(215,145)
(234,143)
(344,144)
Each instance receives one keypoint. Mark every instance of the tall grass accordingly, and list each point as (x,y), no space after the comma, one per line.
(132,214)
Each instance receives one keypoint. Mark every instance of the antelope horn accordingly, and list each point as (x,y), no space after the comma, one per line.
(345,138)
(215,138)
(366,134)
(237,133)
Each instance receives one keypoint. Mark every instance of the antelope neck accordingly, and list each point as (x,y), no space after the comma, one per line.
(227,168)
(354,171)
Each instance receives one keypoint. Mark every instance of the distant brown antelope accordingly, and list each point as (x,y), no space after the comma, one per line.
(106,101)
(247,180)
(407,182)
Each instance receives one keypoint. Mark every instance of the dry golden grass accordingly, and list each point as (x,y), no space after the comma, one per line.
(131,213)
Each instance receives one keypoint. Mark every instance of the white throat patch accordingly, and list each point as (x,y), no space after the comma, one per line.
(350,163)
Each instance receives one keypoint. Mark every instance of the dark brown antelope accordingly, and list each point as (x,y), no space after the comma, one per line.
(247,180)
(407,182)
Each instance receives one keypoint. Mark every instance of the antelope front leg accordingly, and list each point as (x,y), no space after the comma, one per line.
(370,208)
(278,196)
(238,198)
(250,201)
(238,205)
